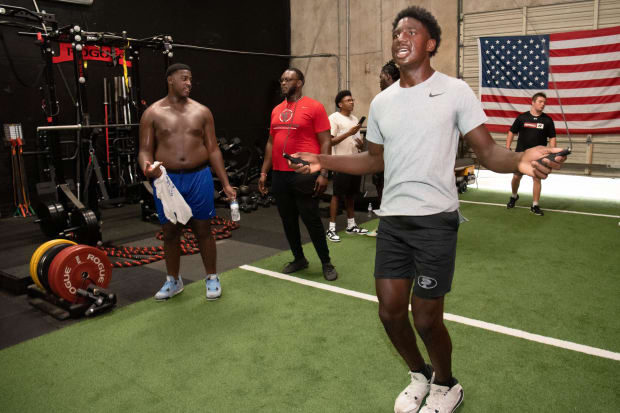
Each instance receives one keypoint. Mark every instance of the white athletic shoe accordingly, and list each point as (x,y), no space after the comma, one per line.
(214,288)
(443,399)
(410,400)
(373,233)
(170,288)
(332,236)
(357,230)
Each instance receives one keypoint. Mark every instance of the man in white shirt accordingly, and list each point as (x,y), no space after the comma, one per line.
(346,140)
(413,131)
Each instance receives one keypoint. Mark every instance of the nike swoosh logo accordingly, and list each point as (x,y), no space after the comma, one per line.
(430,95)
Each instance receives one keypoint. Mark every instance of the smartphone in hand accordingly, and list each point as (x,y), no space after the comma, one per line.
(362,119)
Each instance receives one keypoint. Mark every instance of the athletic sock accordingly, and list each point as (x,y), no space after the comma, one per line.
(211,276)
(514,195)
(332,226)
(448,383)
(350,222)
(427,370)
(170,278)
(534,203)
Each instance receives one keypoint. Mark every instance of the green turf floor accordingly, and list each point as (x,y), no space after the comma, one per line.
(270,345)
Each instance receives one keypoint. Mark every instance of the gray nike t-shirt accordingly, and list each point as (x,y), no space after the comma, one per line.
(419,130)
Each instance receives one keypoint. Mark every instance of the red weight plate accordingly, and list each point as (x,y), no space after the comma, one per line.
(78,267)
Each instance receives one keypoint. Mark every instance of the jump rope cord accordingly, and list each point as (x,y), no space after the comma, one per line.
(290,124)
(555,86)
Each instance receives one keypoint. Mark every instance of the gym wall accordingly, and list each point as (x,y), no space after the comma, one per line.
(240,90)
(368,46)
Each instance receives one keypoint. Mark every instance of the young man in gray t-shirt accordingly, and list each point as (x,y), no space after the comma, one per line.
(413,131)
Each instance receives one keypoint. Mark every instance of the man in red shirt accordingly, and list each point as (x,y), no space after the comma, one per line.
(298,124)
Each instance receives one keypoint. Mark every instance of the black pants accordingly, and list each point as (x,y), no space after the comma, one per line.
(293,193)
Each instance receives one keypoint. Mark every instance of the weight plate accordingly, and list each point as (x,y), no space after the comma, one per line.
(36,256)
(45,261)
(52,219)
(88,231)
(77,267)
(60,219)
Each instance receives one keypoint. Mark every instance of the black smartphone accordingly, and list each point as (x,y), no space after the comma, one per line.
(362,119)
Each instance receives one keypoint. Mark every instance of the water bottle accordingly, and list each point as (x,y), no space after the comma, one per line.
(369,209)
(234,211)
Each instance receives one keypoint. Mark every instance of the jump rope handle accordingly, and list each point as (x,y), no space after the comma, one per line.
(551,156)
(295,160)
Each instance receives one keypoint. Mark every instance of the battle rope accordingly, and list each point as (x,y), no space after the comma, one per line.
(133,256)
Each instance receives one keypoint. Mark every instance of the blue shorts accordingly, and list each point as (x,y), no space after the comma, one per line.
(197,189)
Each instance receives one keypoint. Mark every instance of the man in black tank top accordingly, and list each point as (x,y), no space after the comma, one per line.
(534,128)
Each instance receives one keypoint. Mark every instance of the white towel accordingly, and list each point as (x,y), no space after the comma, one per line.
(175,207)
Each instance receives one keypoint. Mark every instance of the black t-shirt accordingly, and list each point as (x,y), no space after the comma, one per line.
(532,130)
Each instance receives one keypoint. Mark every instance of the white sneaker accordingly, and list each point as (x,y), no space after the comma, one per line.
(410,400)
(332,236)
(357,230)
(170,288)
(443,399)
(214,288)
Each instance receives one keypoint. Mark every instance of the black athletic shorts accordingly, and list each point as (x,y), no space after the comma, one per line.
(345,184)
(422,248)
(377,179)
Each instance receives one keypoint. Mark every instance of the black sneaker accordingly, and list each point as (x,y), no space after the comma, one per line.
(535,209)
(332,236)
(294,266)
(329,272)
(357,230)
(512,202)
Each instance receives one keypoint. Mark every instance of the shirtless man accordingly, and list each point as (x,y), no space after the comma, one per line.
(180,133)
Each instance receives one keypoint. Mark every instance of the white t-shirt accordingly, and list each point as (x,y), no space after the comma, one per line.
(419,130)
(339,125)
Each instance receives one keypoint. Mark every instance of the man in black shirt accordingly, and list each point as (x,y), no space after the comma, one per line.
(533,128)
(389,74)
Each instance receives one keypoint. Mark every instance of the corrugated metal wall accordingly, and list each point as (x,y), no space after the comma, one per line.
(561,17)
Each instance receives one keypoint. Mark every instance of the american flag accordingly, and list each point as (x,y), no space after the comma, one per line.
(584,67)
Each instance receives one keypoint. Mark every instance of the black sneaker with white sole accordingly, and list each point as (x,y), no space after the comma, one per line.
(536,210)
(357,230)
(511,203)
(332,236)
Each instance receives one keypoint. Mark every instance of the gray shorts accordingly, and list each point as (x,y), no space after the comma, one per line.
(422,248)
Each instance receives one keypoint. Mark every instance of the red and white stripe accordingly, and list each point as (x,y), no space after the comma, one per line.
(585,70)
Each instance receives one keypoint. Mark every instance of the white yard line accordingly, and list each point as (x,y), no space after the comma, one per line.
(451,317)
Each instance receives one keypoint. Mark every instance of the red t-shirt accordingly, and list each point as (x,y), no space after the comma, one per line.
(309,118)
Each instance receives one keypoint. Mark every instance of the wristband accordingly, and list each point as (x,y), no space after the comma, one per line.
(325,174)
